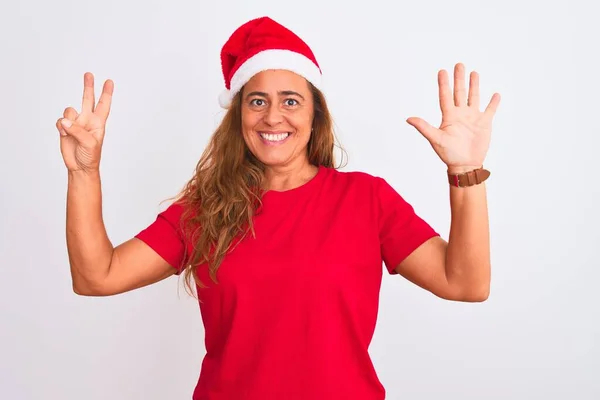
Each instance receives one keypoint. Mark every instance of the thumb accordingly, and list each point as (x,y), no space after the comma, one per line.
(430,133)
(77,131)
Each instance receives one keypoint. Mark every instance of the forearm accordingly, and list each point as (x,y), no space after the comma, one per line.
(468,252)
(90,250)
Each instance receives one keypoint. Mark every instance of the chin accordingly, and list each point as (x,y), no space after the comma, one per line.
(272,160)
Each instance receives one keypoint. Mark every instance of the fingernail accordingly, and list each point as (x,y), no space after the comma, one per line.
(66,123)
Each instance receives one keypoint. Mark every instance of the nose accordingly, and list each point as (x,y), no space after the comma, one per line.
(273,115)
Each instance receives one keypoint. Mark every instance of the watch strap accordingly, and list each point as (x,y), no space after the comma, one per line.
(470,178)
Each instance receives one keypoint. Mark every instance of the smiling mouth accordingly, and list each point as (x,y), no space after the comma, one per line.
(274,137)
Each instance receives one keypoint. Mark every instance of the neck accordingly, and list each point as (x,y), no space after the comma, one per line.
(289,177)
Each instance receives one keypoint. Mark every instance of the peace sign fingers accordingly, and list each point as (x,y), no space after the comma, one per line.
(103,108)
(89,100)
(92,113)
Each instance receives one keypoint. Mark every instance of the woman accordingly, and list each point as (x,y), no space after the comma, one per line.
(285,251)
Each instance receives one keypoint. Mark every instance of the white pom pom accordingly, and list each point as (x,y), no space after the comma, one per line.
(225,99)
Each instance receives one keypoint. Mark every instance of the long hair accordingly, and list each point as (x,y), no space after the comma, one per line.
(221,199)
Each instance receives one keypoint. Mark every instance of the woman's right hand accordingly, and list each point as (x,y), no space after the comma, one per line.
(82,134)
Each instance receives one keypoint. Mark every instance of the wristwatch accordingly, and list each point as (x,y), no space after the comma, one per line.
(469,178)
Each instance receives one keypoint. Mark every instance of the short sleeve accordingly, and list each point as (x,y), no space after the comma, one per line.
(401,230)
(165,237)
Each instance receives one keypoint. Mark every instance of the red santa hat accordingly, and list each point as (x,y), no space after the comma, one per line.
(259,45)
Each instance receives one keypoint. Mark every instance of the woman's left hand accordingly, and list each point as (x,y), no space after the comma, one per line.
(463,138)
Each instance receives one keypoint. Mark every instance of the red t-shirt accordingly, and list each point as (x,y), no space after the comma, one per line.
(295,308)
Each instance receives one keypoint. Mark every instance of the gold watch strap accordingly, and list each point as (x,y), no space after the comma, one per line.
(470,178)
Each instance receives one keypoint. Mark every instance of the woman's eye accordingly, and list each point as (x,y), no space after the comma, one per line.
(262,102)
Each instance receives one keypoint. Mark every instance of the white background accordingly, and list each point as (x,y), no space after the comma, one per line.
(535,338)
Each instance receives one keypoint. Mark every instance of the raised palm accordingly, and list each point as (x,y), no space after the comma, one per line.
(81,143)
(463,137)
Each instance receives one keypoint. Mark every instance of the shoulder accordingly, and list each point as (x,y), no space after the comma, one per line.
(174,211)
(362,189)
(171,216)
(365,182)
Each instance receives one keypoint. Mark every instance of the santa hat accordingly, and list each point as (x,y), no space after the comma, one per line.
(259,45)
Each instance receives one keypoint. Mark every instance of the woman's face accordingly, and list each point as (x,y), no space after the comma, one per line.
(277,117)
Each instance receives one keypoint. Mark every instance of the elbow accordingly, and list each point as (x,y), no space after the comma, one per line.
(475,294)
(476,297)
(82,290)
(88,289)
(471,288)
(89,285)
(468,294)
(85,290)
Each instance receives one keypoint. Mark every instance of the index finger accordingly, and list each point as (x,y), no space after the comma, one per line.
(87,105)
(445,94)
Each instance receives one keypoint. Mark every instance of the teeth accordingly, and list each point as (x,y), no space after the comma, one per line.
(274,137)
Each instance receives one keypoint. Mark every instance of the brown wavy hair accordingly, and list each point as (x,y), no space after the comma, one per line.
(221,199)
